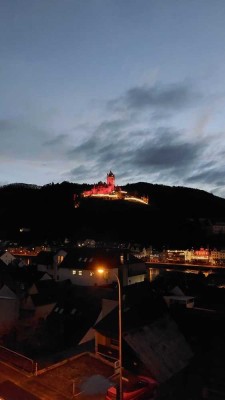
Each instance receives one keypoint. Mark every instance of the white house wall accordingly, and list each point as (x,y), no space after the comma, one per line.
(136,279)
(86,279)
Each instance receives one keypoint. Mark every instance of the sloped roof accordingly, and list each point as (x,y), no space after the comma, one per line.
(27,275)
(140,307)
(7,279)
(49,290)
(161,347)
(91,258)
(6,293)
(41,299)
(77,315)
(149,331)
(46,277)
(45,257)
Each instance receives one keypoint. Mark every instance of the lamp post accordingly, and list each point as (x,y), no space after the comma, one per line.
(101,271)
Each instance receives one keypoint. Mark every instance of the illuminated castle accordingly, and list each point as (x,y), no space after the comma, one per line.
(102,188)
(110,191)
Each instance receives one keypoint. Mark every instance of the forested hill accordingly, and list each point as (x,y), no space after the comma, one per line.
(176,216)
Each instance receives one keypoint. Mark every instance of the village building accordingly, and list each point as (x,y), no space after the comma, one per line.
(80,265)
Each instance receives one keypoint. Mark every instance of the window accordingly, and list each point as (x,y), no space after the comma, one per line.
(60,259)
(74,272)
(91,273)
(80,273)
(73,311)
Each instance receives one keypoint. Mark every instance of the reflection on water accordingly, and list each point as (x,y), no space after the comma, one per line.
(209,272)
(153,273)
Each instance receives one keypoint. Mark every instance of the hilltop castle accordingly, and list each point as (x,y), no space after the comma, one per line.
(103,188)
(110,191)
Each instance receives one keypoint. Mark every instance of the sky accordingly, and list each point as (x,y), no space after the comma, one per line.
(132,86)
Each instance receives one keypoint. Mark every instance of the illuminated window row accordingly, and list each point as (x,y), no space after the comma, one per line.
(75,272)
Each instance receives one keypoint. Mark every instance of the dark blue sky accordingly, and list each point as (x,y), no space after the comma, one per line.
(135,86)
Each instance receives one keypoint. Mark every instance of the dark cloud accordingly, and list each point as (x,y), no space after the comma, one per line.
(166,155)
(209,176)
(136,149)
(91,145)
(166,97)
(79,173)
(139,152)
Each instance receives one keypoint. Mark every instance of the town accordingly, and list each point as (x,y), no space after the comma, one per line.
(112,200)
(93,318)
(59,314)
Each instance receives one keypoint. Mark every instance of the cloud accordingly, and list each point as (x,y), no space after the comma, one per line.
(167,150)
(210,176)
(142,135)
(137,153)
(166,97)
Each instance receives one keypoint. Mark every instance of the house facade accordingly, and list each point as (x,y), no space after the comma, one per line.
(81,267)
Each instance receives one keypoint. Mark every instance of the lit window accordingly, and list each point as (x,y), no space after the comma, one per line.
(60,259)
(91,273)
(73,311)
(74,272)
(80,272)
(80,259)
(85,259)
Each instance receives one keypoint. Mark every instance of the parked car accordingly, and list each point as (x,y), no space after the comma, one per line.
(141,388)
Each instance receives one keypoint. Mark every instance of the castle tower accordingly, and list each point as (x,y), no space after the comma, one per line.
(111,180)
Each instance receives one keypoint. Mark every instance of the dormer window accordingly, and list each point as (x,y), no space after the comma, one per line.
(60,259)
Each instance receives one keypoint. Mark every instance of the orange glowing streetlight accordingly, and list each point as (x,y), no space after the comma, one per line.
(101,271)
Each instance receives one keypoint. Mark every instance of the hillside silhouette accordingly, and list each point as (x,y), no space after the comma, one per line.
(175,217)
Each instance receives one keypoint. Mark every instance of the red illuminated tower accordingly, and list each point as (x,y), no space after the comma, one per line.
(111,181)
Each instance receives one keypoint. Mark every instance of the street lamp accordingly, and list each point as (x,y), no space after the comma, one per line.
(101,271)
